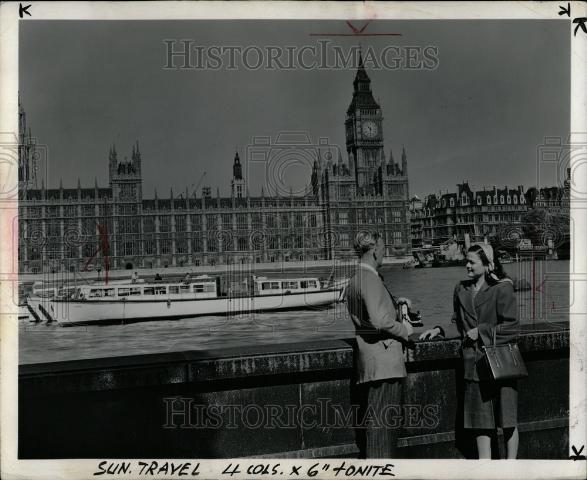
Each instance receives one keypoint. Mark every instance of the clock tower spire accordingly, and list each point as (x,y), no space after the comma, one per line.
(237,184)
(364,133)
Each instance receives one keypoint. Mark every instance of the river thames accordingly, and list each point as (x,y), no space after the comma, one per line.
(429,289)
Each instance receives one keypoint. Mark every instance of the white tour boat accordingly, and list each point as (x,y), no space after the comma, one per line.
(37,301)
(129,302)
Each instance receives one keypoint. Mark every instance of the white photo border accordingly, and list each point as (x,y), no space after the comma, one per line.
(454,469)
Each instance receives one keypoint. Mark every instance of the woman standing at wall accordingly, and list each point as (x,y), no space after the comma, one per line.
(485,305)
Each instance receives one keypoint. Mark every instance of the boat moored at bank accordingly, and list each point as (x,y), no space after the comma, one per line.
(135,301)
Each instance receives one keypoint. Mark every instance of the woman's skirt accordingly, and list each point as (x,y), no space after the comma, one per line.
(488,404)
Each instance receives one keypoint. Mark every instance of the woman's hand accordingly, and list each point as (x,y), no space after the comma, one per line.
(430,334)
(473,334)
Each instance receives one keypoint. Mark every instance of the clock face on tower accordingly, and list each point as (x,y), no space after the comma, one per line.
(369,129)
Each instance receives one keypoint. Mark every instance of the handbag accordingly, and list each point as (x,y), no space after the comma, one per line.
(504,362)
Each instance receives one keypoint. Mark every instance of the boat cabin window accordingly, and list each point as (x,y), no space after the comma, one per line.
(149,291)
(184,288)
(173,289)
(66,292)
(304,284)
(125,292)
(101,292)
(312,283)
(160,290)
(203,287)
(290,285)
(45,292)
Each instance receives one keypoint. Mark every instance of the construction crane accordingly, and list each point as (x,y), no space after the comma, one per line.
(198,184)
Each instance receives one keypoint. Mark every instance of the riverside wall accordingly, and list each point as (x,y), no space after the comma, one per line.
(284,400)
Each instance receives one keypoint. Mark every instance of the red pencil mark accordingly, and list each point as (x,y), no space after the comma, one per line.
(533,288)
(104,247)
(539,287)
(357,32)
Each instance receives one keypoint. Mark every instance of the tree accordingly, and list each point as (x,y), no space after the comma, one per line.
(540,226)
(534,222)
(530,196)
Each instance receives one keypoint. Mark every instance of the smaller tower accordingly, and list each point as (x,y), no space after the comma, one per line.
(237,183)
(26,151)
(136,158)
(315,181)
(391,164)
(404,162)
(125,176)
(329,163)
(340,164)
(112,163)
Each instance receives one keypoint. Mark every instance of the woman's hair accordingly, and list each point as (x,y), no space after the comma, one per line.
(365,241)
(498,273)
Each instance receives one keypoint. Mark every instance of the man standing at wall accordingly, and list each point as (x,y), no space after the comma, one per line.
(380,336)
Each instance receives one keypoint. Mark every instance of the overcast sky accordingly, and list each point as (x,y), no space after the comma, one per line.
(499,89)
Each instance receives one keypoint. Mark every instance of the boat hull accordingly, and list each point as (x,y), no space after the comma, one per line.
(23,312)
(36,307)
(78,312)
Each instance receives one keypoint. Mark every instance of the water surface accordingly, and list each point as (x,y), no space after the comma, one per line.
(429,289)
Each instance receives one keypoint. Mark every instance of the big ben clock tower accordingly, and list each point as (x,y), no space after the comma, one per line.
(364,134)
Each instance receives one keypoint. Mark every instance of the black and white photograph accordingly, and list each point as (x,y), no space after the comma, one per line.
(304,240)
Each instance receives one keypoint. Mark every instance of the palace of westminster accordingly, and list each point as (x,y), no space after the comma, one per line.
(69,229)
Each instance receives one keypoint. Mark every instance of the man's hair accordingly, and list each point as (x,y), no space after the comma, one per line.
(365,241)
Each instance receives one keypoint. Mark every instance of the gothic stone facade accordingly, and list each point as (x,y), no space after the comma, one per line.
(484,213)
(480,214)
(80,228)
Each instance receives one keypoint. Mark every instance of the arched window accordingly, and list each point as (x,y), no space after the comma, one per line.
(488,200)
(501,199)
(444,202)
(452,202)
(509,199)
(479,200)
(515,199)
(522,199)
